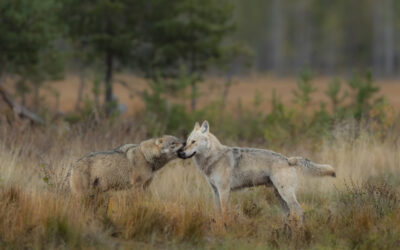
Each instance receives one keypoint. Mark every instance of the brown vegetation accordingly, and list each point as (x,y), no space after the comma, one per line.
(355,210)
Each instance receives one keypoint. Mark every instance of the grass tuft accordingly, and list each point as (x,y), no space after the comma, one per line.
(358,209)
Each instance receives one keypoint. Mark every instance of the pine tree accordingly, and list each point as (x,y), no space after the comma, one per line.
(27,29)
(187,33)
(110,29)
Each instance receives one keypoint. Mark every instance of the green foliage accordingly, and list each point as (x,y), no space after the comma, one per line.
(50,66)
(278,121)
(335,95)
(363,91)
(104,26)
(174,43)
(27,28)
(108,30)
(281,125)
(27,33)
(189,33)
(302,95)
(159,37)
(160,114)
(248,124)
(321,123)
(59,232)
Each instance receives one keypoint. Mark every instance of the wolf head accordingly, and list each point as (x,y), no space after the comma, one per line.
(168,146)
(197,142)
(164,148)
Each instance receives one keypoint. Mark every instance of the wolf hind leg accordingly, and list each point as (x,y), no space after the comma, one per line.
(79,183)
(282,202)
(285,183)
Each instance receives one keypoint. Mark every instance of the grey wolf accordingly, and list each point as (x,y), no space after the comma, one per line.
(231,168)
(128,166)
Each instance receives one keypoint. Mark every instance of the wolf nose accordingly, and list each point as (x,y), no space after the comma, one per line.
(181,154)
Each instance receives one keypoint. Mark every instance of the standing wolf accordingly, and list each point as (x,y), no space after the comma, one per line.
(131,165)
(230,168)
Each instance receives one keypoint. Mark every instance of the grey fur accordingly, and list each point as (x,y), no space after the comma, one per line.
(230,168)
(127,166)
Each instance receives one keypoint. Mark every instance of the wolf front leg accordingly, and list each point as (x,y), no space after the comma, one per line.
(221,195)
(217,203)
(221,179)
(224,194)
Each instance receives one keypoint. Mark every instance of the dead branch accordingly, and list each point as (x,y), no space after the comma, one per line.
(19,109)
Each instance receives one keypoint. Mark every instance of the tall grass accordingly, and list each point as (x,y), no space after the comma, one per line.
(358,209)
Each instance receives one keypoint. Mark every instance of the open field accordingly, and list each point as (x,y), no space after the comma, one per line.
(358,209)
(314,81)
(243,89)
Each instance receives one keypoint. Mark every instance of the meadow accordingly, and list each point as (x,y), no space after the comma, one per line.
(357,209)
(243,88)
(302,78)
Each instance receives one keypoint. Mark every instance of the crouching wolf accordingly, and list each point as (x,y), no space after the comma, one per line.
(128,166)
(230,168)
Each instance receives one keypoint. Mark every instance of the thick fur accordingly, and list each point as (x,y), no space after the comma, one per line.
(230,168)
(128,166)
(312,168)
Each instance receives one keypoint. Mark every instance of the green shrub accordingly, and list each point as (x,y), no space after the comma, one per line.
(335,95)
(363,90)
(280,126)
(302,95)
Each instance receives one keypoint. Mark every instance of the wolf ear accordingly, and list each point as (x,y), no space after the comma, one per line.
(205,127)
(159,141)
(197,125)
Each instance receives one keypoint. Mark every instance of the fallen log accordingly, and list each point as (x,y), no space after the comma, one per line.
(19,109)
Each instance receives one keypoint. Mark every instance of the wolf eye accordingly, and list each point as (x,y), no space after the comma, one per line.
(193,141)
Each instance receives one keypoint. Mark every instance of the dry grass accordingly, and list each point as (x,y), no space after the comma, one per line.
(358,209)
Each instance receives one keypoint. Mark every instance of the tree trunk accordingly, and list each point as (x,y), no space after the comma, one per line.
(108,83)
(329,54)
(193,95)
(23,98)
(80,89)
(278,33)
(383,51)
(225,93)
(377,45)
(302,35)
(389,38)
(3,74)
(36,96)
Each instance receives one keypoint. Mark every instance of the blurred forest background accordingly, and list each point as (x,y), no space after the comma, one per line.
(168,63)
(313,78)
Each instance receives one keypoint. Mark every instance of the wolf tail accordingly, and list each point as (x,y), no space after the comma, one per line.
(312,168)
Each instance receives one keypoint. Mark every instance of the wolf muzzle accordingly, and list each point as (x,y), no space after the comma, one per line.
(182,154)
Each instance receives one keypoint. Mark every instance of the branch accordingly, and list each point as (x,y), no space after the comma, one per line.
(131,90)
(19,109)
